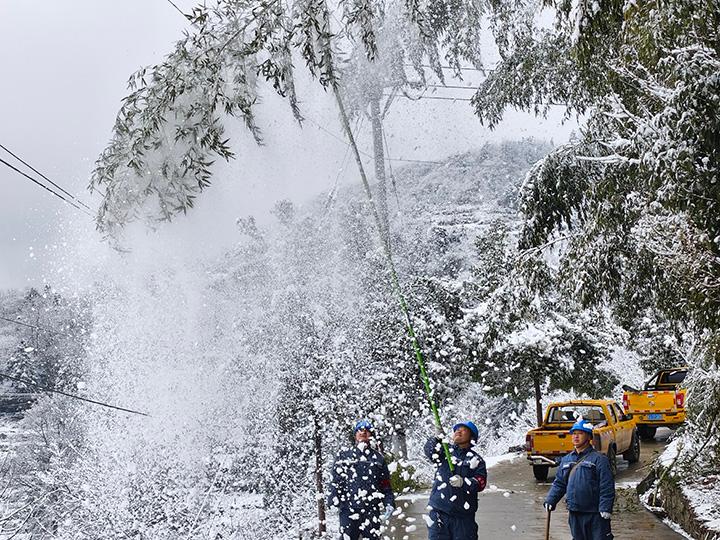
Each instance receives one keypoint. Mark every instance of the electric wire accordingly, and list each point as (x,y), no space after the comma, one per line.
(440,98)
(18,322)
(45,177)
(67,201)
(367,154)
(73,396)
(452,87)
(392,176)
(343,164)
(173,4)
(36,327)
(446,98)
(462,68)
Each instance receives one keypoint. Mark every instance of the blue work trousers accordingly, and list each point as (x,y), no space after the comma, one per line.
(589,526)
(357,524)
(447,527)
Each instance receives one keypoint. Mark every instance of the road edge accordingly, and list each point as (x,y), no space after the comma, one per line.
(663,496)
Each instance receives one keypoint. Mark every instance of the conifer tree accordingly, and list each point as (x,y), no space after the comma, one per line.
(634,202)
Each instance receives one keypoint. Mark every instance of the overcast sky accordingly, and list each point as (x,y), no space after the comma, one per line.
(65,67)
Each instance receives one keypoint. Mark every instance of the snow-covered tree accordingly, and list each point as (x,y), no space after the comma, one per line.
(171,127)
(534,340)
(48,338)
(634,201)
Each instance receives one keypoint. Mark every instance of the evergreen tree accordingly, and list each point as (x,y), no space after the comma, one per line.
(533,340)
(50,336)
(633,203)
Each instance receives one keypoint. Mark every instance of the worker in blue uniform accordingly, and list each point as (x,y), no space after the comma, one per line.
(585,478)
(360,487)
(454,497)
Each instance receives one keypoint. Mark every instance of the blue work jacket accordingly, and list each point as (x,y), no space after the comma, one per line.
(463,500)
(360,480)
(591,488)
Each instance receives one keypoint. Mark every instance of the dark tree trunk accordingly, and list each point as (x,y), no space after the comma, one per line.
(319,480)
(379,153)
(538,402)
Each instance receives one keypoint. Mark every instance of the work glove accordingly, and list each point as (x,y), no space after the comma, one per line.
(456,481)
(439,432)
(388,512)
(605,515)
(549,507)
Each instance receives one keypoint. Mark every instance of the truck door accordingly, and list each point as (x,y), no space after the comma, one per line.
(617,429)
(624,429)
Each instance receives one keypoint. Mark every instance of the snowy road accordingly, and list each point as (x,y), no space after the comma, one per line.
(511,507)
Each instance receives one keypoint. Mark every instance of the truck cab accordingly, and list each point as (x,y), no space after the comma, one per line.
(613,433)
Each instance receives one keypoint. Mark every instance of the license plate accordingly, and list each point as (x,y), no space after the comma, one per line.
(655,416)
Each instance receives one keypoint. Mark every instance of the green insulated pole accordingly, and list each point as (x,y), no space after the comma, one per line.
(393,273)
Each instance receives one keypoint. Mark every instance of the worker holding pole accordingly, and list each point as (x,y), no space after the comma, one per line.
(454,497)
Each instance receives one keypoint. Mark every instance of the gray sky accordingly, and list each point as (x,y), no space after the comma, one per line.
(64,71)
(65,67)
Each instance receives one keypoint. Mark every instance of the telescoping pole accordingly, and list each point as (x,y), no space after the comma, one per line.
(393,274)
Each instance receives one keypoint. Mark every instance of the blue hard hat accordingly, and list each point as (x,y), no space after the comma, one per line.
(468,424)
(582,425)
(363,424)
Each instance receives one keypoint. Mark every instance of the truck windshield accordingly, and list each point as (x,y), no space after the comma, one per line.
(666,379)
(672,377)
(569,414)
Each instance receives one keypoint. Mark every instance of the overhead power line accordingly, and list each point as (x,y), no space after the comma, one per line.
(45,177)
(73,396)
(449,98)
(367,154)
(20,323)
(441,98)
(462,68)
(68,201)
(36,327)
(453,87)
(173,4)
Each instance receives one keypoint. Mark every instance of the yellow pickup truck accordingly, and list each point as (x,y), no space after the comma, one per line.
(660,403)
(614,433)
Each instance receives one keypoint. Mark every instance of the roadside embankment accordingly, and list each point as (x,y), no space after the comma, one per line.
(691,504)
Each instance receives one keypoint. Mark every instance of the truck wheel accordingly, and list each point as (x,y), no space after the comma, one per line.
(633,453)
(611,455)
(541,472)
(647,433)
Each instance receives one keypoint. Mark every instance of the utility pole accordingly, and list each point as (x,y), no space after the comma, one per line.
(379,155)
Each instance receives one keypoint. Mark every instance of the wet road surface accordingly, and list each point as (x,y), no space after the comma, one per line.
(511,506)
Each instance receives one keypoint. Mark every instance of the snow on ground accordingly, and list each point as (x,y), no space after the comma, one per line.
(704,497)
(677,528)
(628,484)
(491,461)
(645,501)
(670,453)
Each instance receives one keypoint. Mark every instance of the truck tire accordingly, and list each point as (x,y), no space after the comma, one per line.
(541,472)
(632,455)
(647,433)
(611,455)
